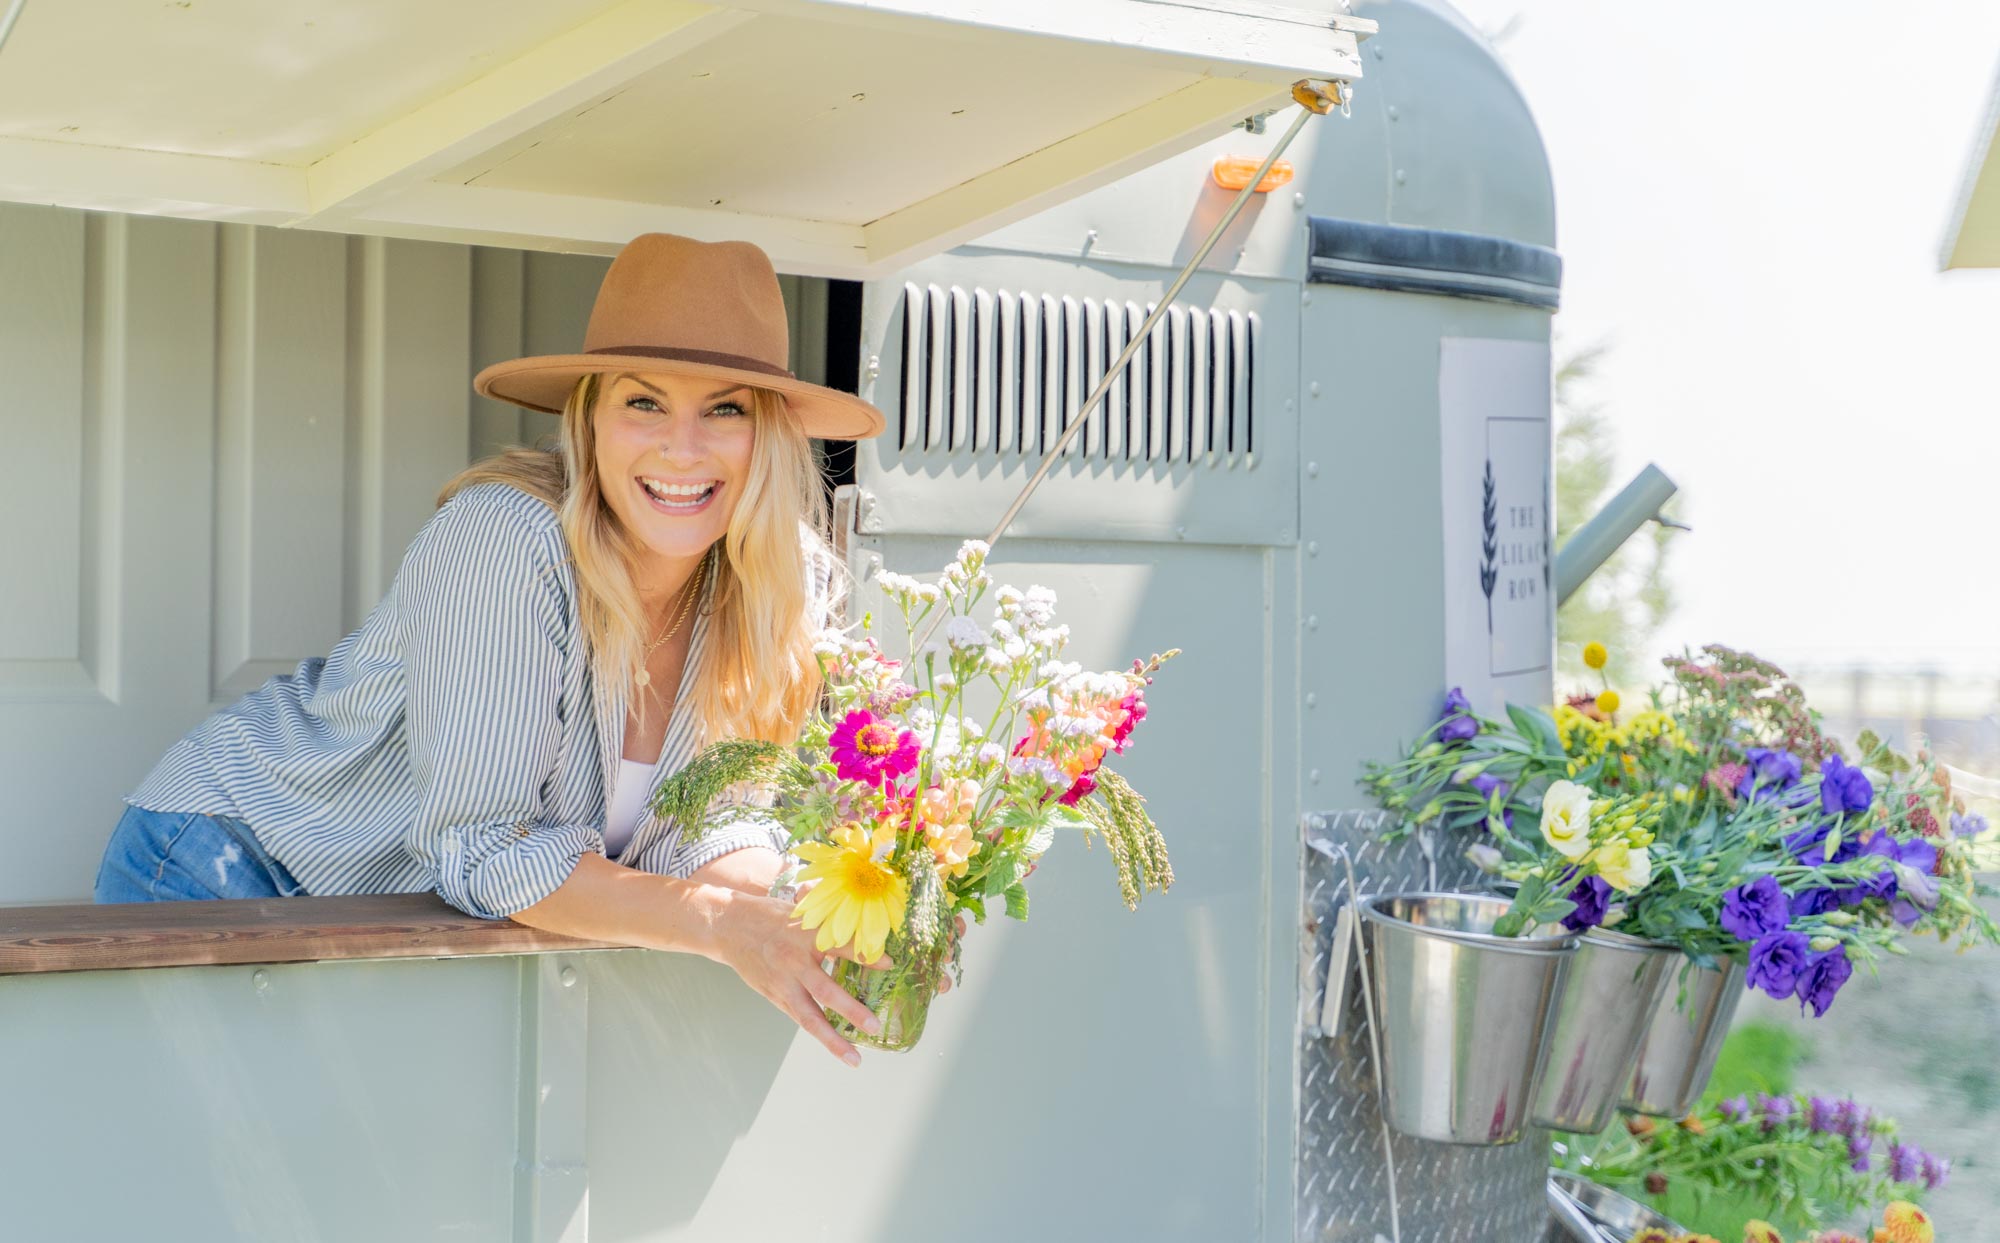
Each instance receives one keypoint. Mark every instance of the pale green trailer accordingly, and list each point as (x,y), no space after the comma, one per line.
(250,257)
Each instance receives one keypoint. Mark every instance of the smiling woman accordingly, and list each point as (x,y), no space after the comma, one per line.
(568,629)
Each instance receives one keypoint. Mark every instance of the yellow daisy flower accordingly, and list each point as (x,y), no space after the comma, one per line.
(859,896)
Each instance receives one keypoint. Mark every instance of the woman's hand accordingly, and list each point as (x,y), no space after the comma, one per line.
(756,938)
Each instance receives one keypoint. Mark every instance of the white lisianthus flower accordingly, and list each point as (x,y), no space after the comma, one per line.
(1566,819)
(1624,867)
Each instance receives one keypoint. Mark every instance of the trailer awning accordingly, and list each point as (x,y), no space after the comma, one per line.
(1973,238)
(846,137)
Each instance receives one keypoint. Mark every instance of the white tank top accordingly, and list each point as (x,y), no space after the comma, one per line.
(626,806)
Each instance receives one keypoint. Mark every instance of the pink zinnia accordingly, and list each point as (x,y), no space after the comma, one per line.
(871,751)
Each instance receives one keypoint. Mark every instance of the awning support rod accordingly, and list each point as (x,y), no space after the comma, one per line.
(1315,99)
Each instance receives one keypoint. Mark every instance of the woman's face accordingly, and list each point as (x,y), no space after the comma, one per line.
(673,454)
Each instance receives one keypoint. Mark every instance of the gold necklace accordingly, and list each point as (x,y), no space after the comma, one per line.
(643,679)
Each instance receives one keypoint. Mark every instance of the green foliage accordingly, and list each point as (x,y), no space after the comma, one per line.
(1756,1057)
(1118,812)
(1622,605)
(688,798)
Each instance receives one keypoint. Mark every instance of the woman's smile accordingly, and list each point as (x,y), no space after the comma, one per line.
(670,497)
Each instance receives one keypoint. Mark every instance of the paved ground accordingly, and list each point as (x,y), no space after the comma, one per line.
(1920,1043)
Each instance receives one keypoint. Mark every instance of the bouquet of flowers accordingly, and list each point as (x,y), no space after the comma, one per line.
(1805,1160)
(1719,818)
(915,799)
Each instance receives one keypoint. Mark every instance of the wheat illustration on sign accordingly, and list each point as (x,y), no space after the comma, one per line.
(1489,568)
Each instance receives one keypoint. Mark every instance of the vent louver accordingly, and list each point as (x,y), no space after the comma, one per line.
(1002,373)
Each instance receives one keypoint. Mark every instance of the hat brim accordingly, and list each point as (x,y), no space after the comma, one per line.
(544,383)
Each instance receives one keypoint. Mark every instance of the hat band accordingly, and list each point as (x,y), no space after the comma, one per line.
(712,358)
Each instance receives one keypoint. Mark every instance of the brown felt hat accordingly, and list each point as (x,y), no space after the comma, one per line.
(674,304)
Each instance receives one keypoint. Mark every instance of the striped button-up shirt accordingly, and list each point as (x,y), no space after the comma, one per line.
(457,741)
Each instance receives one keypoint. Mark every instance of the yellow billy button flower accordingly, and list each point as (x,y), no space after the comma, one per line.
(859,896)
(1566,819)
(1607,702)
(1595,655)
(1624,867)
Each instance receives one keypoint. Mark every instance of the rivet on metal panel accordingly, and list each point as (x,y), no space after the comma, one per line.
(1312,700)
(874,365)
(568,976)
(1376,46)
(1312,468)
(1392,112)
(1312,621)
(1306,298)
(1180,532)
(1090,239)
(260,980)
(1288,403)
(1313,389)
(1401,176)
(1298,198)
(1313,776)
(1312,548)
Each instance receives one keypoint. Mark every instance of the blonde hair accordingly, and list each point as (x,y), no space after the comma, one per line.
(759,677)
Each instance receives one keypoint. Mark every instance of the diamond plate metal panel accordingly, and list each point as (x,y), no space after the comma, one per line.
(1446,1193)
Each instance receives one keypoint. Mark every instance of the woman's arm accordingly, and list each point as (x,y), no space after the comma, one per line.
(750,934)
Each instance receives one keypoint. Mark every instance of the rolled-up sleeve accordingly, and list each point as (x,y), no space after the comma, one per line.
(481,607)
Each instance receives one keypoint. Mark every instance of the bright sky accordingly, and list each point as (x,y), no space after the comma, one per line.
(1750,204)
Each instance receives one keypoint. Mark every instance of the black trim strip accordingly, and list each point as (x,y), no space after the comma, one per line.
(1403,259)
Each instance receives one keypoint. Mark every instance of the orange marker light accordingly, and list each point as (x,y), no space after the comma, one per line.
(1233,172)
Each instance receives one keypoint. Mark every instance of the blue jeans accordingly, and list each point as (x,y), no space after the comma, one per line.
(171,856)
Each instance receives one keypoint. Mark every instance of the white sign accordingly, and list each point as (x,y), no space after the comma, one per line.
(1498,472)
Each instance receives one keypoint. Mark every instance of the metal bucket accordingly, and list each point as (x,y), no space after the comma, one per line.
(1679,1050)
(1614,986)
(1580,1211)
(1463,1014)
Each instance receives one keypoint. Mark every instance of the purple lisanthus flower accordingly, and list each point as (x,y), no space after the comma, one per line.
(1968,824)
(1777,960)
(1822,1116)
(1813,902)
(1755,910)
(1768,772)
(1593,898)
(1735,1109)
(1858,1148)
(1487,784)
(1809,846)
(1906,1162)
(1843,787)
(1821,978)
(1457,722)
